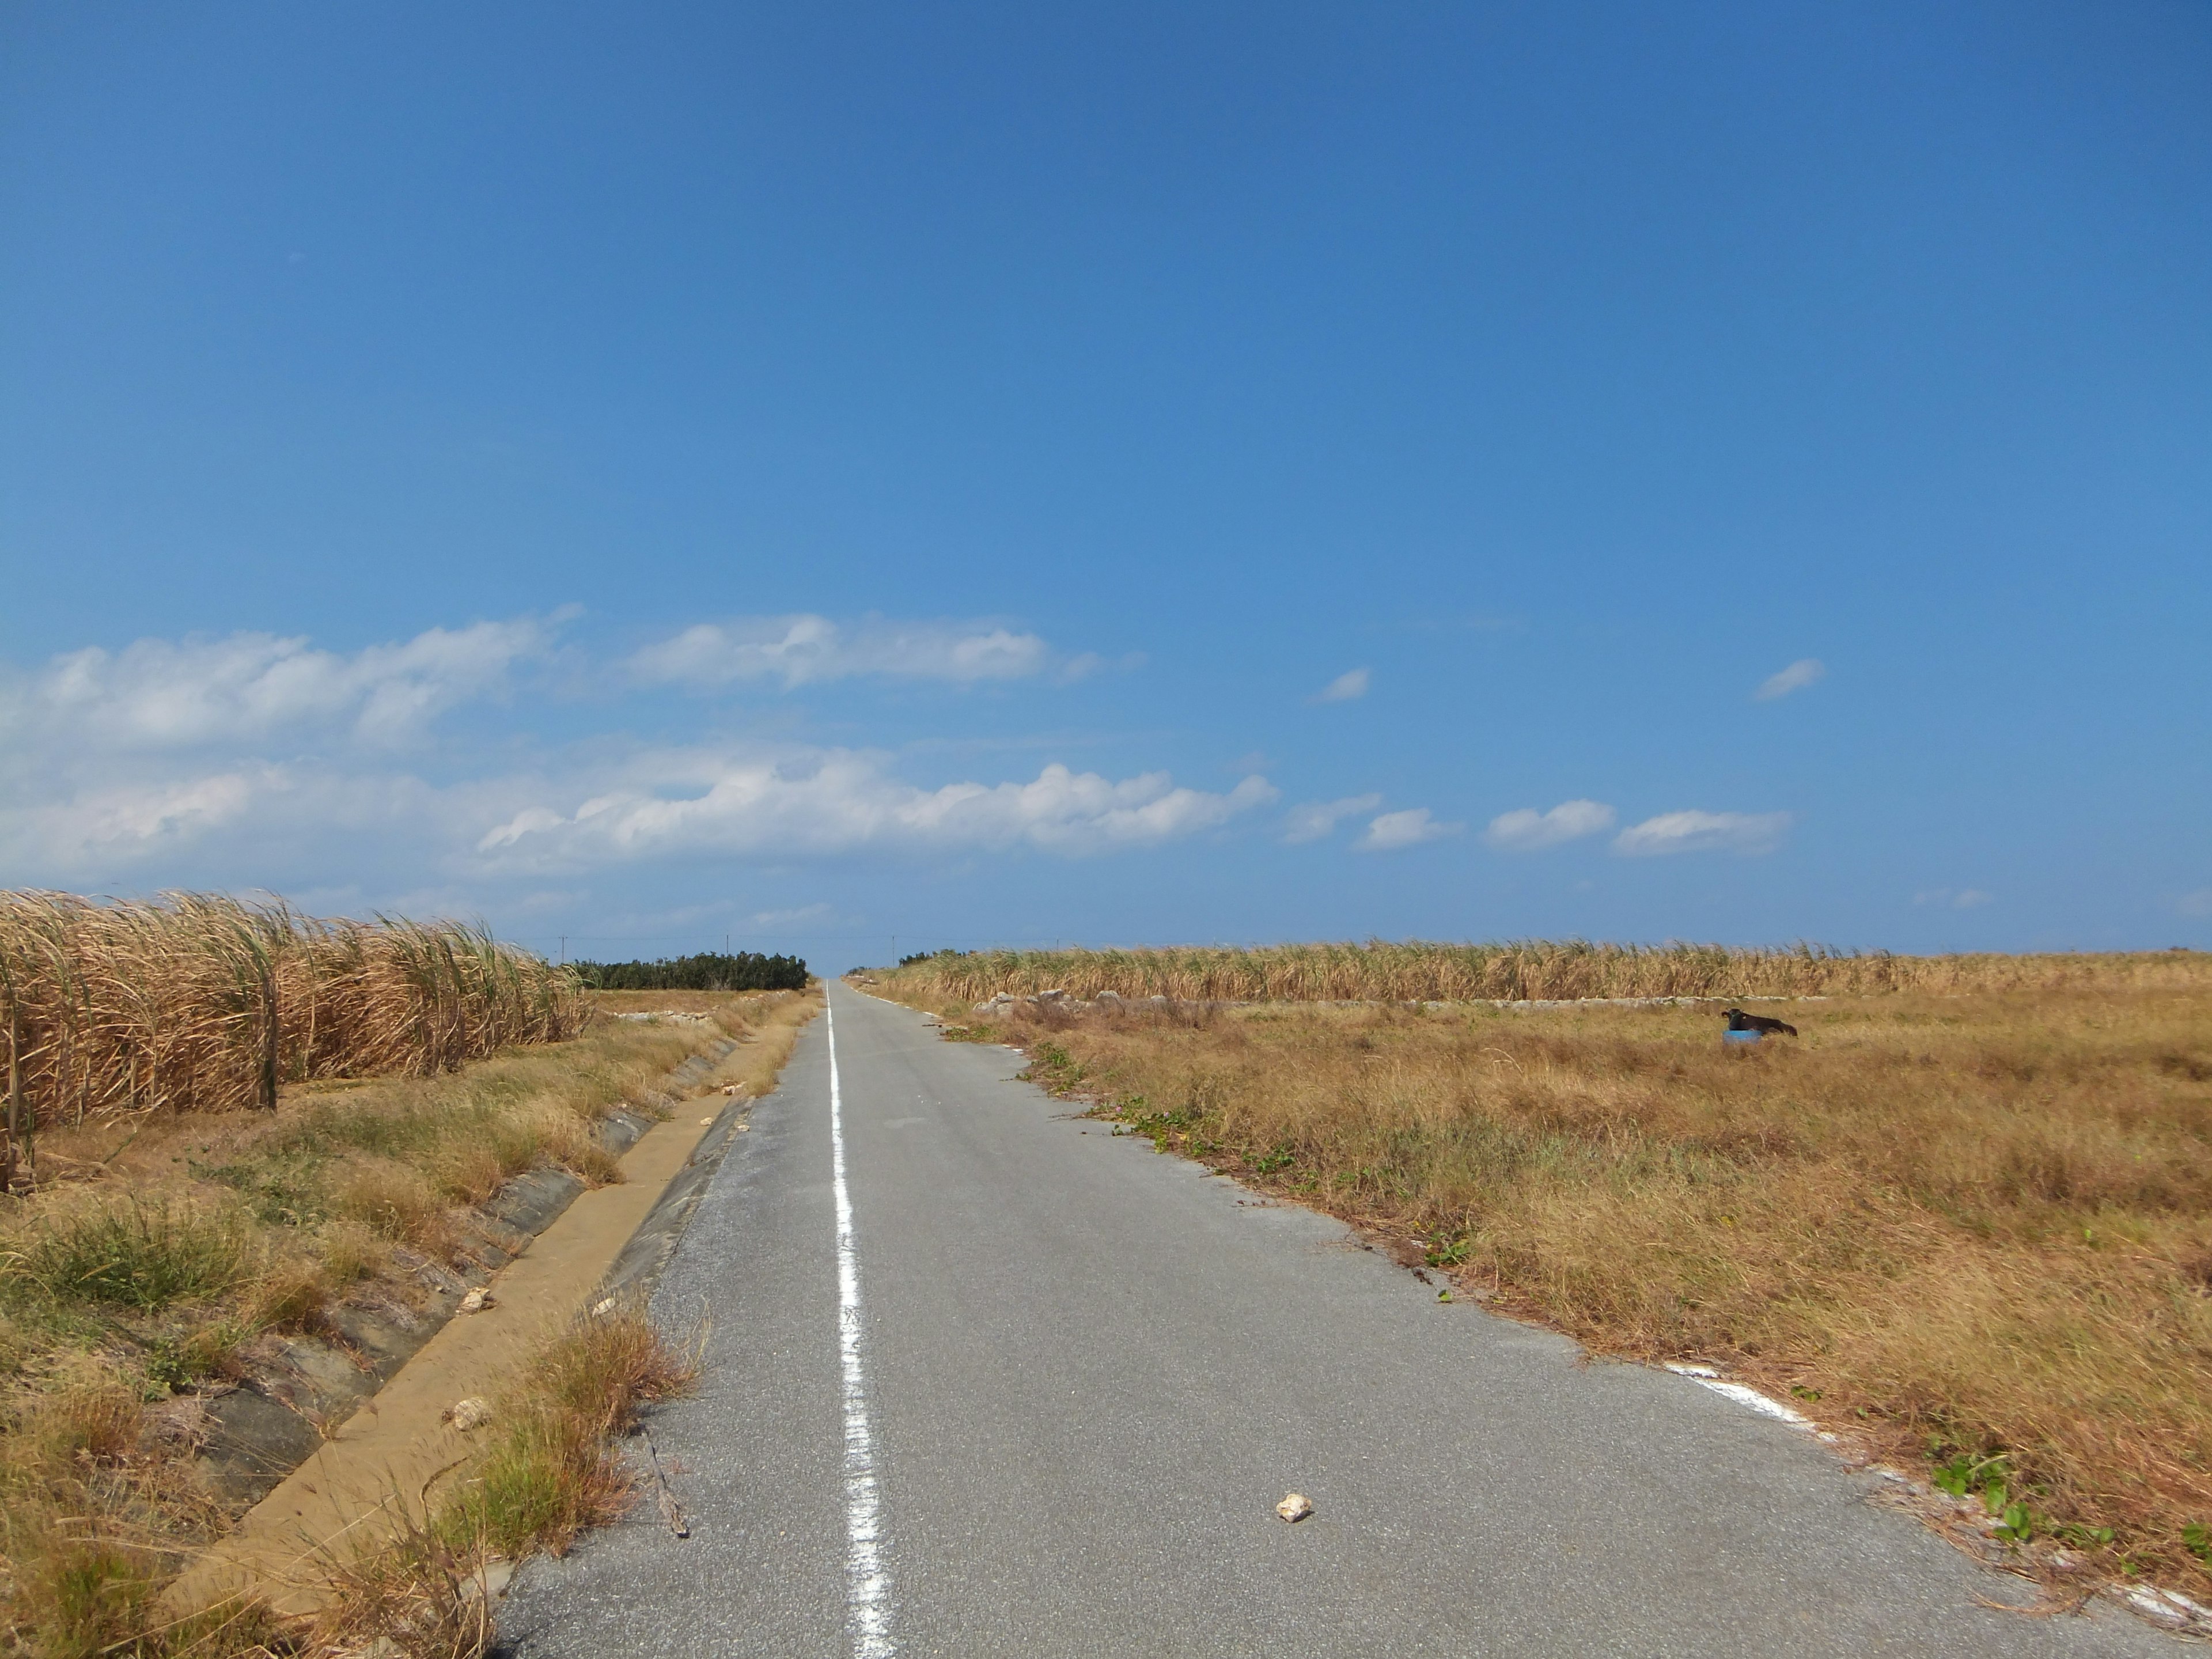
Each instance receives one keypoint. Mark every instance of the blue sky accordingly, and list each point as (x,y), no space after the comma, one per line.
(822,475)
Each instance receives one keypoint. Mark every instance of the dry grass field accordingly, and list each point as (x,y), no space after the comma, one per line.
(163,1249)
(1974,1226)
(1521,970)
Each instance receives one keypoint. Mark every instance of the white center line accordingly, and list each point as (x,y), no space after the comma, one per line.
(867,1584)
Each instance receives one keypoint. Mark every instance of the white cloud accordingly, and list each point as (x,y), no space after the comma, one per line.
(1315,819)
(2198,903)
(1394,831)
(1795,678)
(802,802)
(1347,687)
(162,694)
(1961,898)
(269,824)
(107,819)
(807,649)
(1704,832)
(1528,829)
(258,759)
(130,818)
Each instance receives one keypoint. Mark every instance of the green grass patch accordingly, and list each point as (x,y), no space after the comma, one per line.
(133,1254)
(182,1360)
(285,1190)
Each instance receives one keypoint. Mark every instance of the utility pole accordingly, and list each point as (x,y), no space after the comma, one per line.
(564,950)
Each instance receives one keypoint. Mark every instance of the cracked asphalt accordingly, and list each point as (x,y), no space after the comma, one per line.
(1090,1373)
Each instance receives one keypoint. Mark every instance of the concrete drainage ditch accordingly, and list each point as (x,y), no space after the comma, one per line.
(299,1389)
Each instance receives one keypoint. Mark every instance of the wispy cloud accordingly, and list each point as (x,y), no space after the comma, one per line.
(244,688)
(1747,833)
(813,803)
(1317,819)
(1953,898)
(808,650)
(265,757)
(1805,672)
(128,818)
(102,817)
(1347,687)
(2198,903)
(1394,831)
(1528,829)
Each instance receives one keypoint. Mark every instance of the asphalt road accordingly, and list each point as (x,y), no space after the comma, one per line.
(1046,1403)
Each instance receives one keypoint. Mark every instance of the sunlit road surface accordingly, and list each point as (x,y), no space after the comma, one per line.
(985,1381)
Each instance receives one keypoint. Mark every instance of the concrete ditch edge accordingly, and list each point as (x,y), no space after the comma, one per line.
(258,1432)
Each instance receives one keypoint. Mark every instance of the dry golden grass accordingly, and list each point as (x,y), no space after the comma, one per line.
(176,1240)
(1977,1226)
(200,1003)
(1526,969)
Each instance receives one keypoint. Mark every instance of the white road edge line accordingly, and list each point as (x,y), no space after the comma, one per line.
(867,1583)
(1706,1376)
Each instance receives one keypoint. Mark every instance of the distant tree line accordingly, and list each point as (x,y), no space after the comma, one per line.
(747,971)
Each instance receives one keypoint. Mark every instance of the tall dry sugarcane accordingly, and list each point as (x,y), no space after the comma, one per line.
(198,1002)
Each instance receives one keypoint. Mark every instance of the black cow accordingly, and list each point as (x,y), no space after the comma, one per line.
(1740,1021)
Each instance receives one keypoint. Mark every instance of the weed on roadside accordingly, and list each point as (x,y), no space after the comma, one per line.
(423,1593)
(551,1473)
(1052,1067)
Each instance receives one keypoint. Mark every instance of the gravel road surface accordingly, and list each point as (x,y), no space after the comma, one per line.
(985,1381)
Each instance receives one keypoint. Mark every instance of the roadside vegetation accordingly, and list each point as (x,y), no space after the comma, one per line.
(551,1472)
(166,1252)
(1968,1220)
(1520,971)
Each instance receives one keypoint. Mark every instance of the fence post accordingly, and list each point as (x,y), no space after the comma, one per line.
(268,1090)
